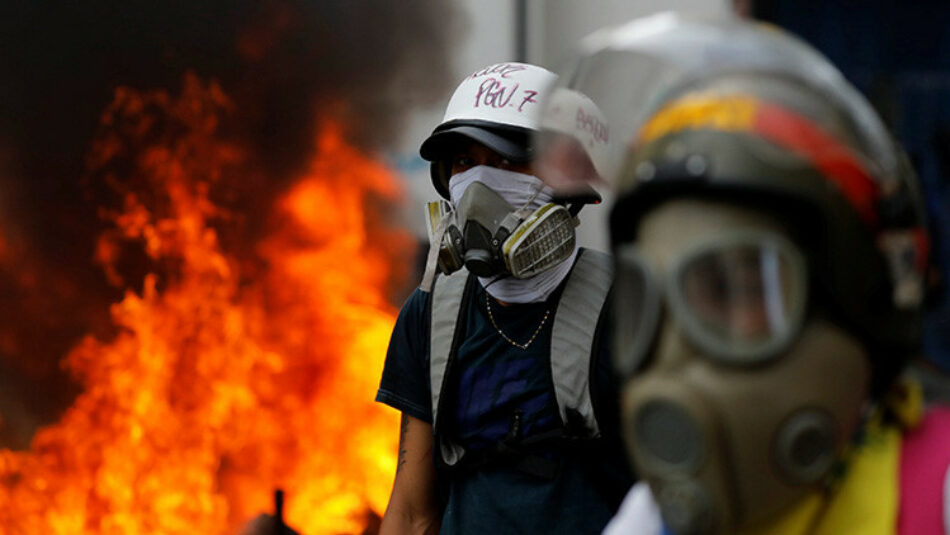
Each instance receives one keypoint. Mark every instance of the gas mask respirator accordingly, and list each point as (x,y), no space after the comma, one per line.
(737,402)
(492,238)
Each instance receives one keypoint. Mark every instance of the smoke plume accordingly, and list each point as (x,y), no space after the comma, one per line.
(283,64)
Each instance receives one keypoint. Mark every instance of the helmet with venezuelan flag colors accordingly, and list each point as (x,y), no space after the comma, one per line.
(733,110)
(778,143)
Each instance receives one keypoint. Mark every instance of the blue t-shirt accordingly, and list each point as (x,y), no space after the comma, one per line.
(490,380)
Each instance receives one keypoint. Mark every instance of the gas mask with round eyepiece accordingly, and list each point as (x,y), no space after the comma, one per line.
(771,255)
(741,398)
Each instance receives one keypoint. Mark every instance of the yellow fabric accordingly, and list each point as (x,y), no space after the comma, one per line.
(867,500)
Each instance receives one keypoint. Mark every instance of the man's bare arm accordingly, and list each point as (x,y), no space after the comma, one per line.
(413,506)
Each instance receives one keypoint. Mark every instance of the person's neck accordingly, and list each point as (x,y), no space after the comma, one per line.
(499,301)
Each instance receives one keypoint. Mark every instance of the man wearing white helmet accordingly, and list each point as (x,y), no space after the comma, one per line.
(496,361)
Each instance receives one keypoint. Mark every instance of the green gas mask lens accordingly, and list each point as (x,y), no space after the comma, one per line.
(739,299)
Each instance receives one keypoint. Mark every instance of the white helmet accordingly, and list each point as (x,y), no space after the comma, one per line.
(498,106)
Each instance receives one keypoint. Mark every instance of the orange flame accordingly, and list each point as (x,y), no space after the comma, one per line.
(219,389)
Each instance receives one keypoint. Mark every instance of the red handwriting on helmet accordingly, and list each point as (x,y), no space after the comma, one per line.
(503,70)
(496,94)
(590,123)
(527,96)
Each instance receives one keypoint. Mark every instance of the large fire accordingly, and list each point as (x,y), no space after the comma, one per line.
(228,378)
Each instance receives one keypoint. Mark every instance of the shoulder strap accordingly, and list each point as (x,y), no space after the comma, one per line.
(447,297)
(573,335)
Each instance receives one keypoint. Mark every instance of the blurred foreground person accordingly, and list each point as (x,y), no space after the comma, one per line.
(770,257)
(498,361)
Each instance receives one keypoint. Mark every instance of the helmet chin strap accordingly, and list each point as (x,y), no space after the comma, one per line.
(526,207)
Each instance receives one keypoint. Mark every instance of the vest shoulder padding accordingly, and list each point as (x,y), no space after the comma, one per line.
(572,341)
(447,296)
(573,335)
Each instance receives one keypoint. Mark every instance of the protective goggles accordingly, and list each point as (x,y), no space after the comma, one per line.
(524,243)
(739,299)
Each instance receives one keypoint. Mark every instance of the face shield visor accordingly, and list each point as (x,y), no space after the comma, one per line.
(740,300)
(629,72)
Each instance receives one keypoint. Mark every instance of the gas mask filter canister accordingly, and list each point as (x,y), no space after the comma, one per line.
(487,234)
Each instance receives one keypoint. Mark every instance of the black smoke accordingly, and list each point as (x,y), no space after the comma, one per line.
(282,63)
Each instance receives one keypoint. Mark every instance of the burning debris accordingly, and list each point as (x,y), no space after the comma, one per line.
(238,223)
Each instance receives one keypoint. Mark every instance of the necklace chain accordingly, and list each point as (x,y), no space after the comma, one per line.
(505,336)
